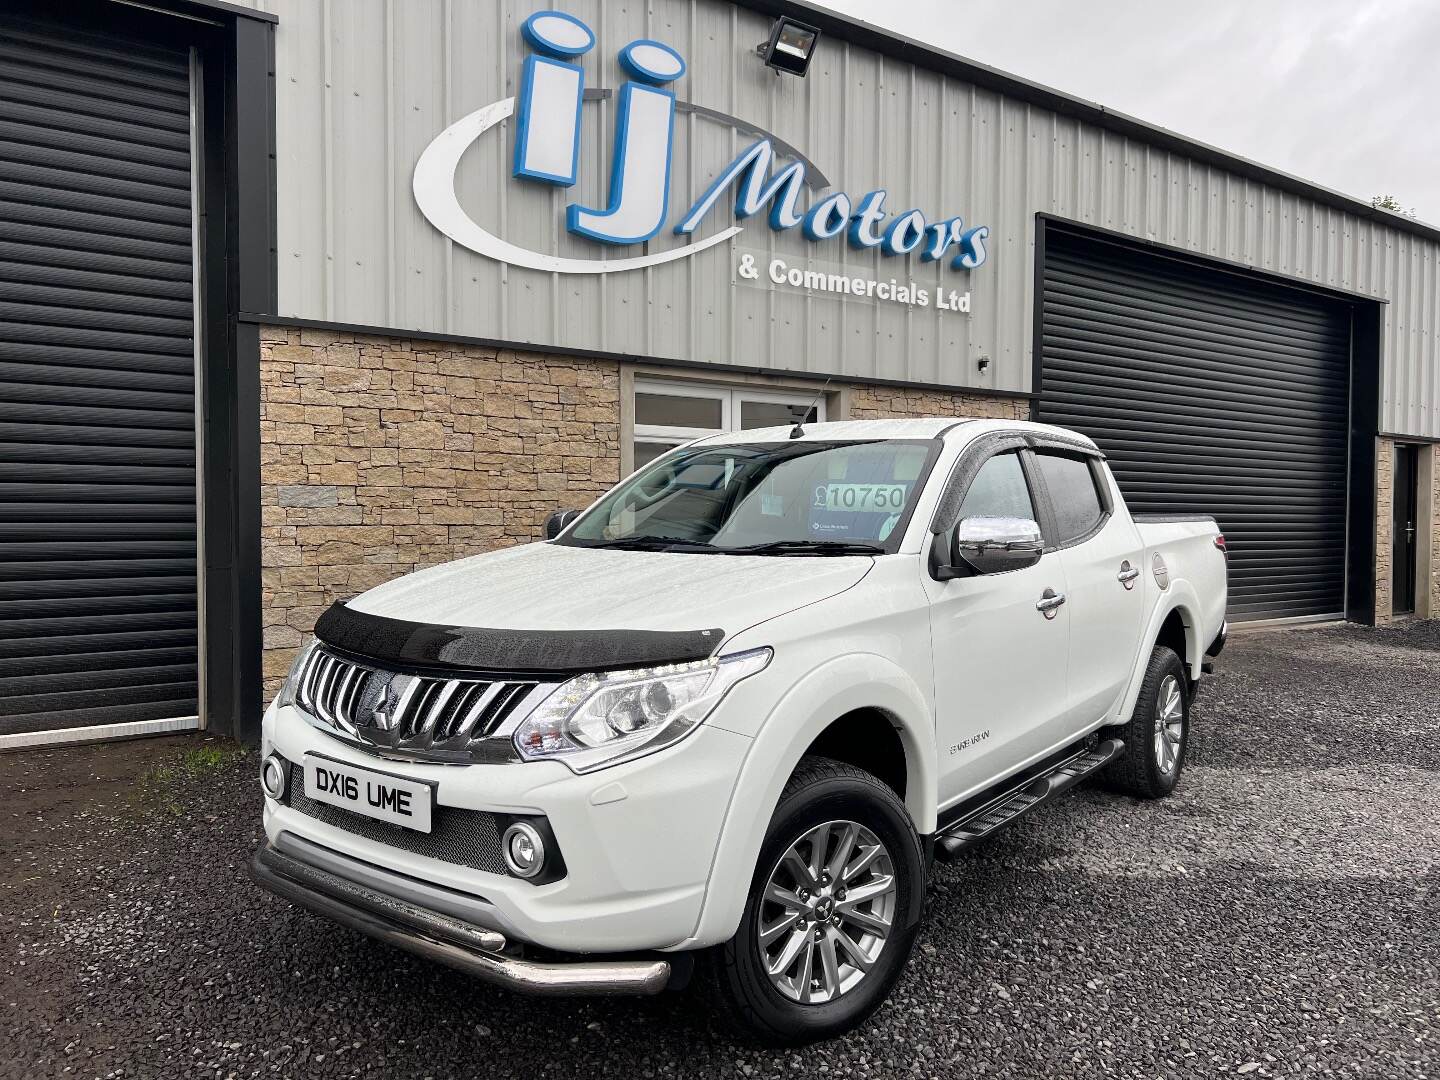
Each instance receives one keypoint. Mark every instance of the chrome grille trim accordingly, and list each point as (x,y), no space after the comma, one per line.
(441,717)
(481,701)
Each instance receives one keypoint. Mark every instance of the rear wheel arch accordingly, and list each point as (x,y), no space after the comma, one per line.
(1176,633)
(1175,624)
(1156,735)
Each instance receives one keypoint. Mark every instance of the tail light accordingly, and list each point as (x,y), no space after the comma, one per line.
(1220,543)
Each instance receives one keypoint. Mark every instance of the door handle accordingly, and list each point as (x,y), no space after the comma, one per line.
(1049,603)
(1127,574)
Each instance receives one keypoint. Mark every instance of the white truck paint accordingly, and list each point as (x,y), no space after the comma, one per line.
(660,849)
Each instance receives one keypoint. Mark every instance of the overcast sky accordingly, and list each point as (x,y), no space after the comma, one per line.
(1345,93)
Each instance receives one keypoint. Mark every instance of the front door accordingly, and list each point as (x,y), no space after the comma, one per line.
(1403,532)
(1000,664)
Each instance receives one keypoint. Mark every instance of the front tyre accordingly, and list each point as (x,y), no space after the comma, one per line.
(1158,733)
(832,912)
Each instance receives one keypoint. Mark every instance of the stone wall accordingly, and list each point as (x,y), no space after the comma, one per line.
(382,455)
(885,402)
(1384,527)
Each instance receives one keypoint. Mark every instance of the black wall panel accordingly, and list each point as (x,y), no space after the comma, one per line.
(1212,393)
(97,389)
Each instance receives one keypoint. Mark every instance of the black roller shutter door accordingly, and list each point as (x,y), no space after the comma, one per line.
(1212,393)
(97,418)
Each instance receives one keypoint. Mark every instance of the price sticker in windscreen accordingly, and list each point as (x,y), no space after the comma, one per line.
(881,498)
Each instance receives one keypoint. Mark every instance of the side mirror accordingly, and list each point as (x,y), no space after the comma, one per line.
(555,524)
(989,545)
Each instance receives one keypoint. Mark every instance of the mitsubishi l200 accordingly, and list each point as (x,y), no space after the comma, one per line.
(720,724)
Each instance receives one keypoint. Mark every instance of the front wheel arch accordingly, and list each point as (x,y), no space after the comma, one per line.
(836,799)
(870,740)
(830,691)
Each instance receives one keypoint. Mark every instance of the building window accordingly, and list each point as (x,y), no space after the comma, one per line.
(670,413)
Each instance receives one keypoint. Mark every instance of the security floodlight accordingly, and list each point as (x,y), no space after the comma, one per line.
(790,47)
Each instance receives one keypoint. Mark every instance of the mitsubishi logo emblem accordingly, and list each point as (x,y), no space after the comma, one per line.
(386,710)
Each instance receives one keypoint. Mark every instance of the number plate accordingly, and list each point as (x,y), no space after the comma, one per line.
(378,795)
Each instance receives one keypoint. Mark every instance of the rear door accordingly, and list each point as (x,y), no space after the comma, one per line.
(1101,551)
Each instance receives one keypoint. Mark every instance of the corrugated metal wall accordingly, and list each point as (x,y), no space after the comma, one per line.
(364,85)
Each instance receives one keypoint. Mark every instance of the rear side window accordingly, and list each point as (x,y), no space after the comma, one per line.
(1073,495)
(999,490)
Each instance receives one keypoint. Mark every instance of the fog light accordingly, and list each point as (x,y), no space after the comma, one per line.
(524,850)
(273,775)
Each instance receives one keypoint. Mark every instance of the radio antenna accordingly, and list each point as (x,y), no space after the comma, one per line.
(799,429)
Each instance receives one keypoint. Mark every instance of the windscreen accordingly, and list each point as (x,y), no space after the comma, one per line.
(766,497)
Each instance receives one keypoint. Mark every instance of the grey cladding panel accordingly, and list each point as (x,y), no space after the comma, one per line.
(363,86)
(1211,394)
(97,445)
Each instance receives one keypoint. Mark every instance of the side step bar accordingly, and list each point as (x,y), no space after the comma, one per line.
(1016,803)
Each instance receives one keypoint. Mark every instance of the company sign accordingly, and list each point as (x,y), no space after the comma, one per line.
(547,151)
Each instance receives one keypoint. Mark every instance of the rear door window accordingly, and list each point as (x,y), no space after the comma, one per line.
(1074,496)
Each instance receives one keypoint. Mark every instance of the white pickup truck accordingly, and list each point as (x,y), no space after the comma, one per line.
(728,715)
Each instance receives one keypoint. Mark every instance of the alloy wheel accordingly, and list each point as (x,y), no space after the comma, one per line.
(1169,724)
(827,911)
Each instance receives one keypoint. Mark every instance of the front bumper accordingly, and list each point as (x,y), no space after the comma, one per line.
(638,839)
(439,937)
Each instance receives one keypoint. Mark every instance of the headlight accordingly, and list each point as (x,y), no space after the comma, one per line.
(287,691)
(602,719)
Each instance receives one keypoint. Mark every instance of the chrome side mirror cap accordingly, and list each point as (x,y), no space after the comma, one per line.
(988,545)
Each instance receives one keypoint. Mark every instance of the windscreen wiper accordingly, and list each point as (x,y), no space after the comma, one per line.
(808,547)
(651,543)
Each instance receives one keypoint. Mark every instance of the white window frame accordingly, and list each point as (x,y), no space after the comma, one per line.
(677,435)
(731,398)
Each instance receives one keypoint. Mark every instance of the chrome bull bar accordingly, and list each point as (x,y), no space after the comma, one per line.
(435,936)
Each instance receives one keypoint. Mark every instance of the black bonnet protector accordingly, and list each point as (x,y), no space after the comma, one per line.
(474,648)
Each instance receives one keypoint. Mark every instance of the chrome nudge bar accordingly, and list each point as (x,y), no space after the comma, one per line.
(436,936)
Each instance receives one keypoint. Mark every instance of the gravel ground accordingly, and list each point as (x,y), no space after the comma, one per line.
(1278,916)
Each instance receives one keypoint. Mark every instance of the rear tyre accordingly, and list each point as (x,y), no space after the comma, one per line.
(832,912)
(1157,734)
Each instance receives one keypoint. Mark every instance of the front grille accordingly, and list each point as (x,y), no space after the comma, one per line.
(424,714)
(463,837)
